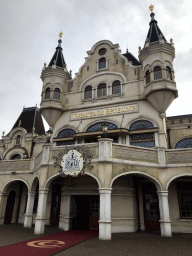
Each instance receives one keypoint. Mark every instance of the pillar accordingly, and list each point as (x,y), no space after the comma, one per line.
(29,210)
(105,214)
(105,148)
(3,203)
(65,212)
(41,210)
(165,221)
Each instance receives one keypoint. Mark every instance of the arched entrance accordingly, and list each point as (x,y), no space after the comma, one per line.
(180,202)
(73,202)
(15,206)
(135,204)
(10,207)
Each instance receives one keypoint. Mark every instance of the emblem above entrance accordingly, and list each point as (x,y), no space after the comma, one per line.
(72,163)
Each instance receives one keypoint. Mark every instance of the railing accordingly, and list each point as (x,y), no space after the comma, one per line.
(179,156)
(15,165)
(37,160)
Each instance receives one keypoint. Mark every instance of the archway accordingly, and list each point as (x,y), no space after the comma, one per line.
(15,205)
(136,195)
(180,202)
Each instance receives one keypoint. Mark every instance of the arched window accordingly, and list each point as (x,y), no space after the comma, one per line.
(102,63)
(56,94)
(157,73)
(88,92)
(18,140)
(66,133)
(16,156)
(185,143)
(47,93)
(98,126)
(147,77)
(146,139)
(116,87)
(168,73)
(102,90)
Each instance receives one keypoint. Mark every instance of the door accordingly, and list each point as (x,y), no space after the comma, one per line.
(94,213)
(151,207)
(10,207)
(55,204)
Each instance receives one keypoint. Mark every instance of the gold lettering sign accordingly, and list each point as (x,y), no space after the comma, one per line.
(105,112)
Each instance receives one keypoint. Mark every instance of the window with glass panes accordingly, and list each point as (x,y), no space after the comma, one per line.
(102,63)
(116,87)
(185,143)
(47,93)
(101,90)
(57,94)
(157,73)
(168,73)
(88,92)
(184,190)
(147,76)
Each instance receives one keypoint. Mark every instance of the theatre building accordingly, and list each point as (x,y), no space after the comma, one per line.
(112,160)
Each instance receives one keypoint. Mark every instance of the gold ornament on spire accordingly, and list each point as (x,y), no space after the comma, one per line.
(151,7)
(60,34)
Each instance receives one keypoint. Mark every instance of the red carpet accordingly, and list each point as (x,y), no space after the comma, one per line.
(48,245)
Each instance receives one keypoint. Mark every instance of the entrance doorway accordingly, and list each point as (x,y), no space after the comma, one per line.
(10,207)
(151,207)
(85,212)
(55,204)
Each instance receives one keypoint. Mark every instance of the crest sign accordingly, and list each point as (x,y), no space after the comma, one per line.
(72,163)
(73,160)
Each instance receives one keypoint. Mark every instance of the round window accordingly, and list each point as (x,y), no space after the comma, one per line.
(102,51)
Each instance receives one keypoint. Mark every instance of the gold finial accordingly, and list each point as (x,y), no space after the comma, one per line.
(151,7)
(19,123)
(60,34)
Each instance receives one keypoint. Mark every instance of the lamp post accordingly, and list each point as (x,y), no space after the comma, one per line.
(105,129)
(49,133)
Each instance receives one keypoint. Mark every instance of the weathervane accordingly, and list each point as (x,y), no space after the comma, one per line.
(151,7)
(60,34)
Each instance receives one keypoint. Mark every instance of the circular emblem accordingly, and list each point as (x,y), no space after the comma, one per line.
(46,243)
(72,163)
(102,51)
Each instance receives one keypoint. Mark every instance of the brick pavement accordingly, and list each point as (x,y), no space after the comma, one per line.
(129,244)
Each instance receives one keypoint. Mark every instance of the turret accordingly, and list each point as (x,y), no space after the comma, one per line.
(54,78)
(157,59)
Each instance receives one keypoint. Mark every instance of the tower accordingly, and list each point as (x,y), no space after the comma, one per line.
(54,79)
(157,58)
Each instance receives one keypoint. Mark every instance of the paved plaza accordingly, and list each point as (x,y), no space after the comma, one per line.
(129,244)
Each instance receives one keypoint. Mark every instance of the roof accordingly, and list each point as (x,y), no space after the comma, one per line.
(30,118)
(131,58)
(58,57)
(181,117)
(154,31)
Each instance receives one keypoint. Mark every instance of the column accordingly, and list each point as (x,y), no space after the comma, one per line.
(127,140)
(105,148)
(65,212)
(120,139)
(165,221)
(29,210)
(3,203)
(41,210)
(105,214)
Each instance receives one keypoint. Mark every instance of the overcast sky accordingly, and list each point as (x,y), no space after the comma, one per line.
(29,34)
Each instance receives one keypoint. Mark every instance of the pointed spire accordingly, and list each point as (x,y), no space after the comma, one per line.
(154,33)
(58,58)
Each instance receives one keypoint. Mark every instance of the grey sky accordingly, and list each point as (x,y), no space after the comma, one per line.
(29,35)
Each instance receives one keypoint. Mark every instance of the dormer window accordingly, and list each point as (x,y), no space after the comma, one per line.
(56,94)
(102,90)
(102,63)
(116,87)
(147,77)
(47,93)
(18,140)
(157,73)
(88,92)
(168,73)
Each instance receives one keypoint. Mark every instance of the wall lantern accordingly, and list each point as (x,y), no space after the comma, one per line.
(105,129)
(49,133)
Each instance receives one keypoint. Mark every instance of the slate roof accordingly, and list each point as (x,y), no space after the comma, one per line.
(29,118)
(130,57)
(58,56)
(154,31)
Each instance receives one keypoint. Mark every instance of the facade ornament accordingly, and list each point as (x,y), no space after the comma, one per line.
(139,49)
(160,37)
(151,7)
(3,133)
(73,160)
